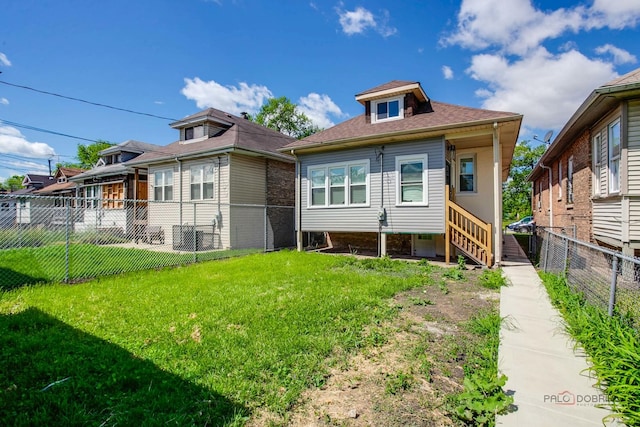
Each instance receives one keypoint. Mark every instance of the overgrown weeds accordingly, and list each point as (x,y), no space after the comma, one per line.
(612,343)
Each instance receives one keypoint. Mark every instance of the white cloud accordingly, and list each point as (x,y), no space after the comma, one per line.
(20,167)
(318,108)
(13,142)
(615,14)
(361,19)
(517,26)
(546,88)
(230,99)
(4,60)
(620,56)
(4,101)
(447,72)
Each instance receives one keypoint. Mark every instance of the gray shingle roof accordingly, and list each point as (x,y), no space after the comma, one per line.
(242,135)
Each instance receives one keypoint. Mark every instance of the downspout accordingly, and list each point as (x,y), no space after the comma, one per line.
(382,248)
(180,192)
(550,195)
(298,203)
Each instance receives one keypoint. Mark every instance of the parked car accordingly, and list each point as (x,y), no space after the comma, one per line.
(525,225)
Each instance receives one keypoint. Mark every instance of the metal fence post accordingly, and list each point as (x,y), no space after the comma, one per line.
(566,258)
(195,241)
(266,231)
(614,280)
(67,238)
(546,251)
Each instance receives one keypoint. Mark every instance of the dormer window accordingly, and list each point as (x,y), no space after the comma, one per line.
(62,180)
(387,109)
(193,132)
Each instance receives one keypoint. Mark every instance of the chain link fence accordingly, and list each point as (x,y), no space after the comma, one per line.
(62,239)
(606,278)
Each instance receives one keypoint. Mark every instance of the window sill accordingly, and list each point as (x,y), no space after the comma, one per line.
(410,205)
(466,193)
(569,207)
(338,206)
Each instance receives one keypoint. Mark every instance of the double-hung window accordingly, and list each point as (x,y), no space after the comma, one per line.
(614,157)
(560,180)
(570,181)
(387,109)
(92,195)
(337,182)
(412,180)
(467,174)
(344,184)
(201,182)
(163,185)
(597,162)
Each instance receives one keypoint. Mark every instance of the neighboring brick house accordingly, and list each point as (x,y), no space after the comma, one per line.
(378,182)
(594,165)
(230,171)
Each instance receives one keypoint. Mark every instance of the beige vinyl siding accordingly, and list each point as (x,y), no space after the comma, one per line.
(247,190)
(607,218)
(400,219)
(633,147)
(169,214)
(634,219)
(247,180)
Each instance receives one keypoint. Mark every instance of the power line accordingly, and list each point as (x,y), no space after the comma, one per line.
(85,101)
(19,125)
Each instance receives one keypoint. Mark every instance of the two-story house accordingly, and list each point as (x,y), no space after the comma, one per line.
(589,178)
(409,176)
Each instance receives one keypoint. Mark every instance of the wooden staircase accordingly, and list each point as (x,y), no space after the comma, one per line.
(468,233)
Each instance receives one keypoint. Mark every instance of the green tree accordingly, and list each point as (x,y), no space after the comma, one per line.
(87,155)
(284,116)
(13,183)
(516,192)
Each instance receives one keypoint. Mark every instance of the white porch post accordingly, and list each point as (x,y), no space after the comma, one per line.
(497,199)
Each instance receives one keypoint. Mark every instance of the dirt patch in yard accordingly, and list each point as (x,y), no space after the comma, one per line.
(413,364)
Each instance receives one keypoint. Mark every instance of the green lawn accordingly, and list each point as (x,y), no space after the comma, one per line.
(202,344)
(49,263)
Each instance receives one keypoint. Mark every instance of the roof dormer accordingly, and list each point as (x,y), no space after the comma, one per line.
(203,125)
(395,100)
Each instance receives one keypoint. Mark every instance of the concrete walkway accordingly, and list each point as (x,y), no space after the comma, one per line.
(546,376)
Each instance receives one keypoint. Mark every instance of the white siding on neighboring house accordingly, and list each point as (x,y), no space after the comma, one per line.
(633,148)
(399,219)
(607,218)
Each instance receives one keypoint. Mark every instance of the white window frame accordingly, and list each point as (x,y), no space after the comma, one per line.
(348,185)
(164,187)
(570,181)
(92,194)
(462,157)
(200,171)
(597,163)
(614,160)
(374,109)
(560,180)
(400,160)
(540,194)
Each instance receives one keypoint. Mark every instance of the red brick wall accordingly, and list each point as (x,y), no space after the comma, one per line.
(579,212)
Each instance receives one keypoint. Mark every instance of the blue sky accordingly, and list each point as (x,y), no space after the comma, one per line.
(173,58)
